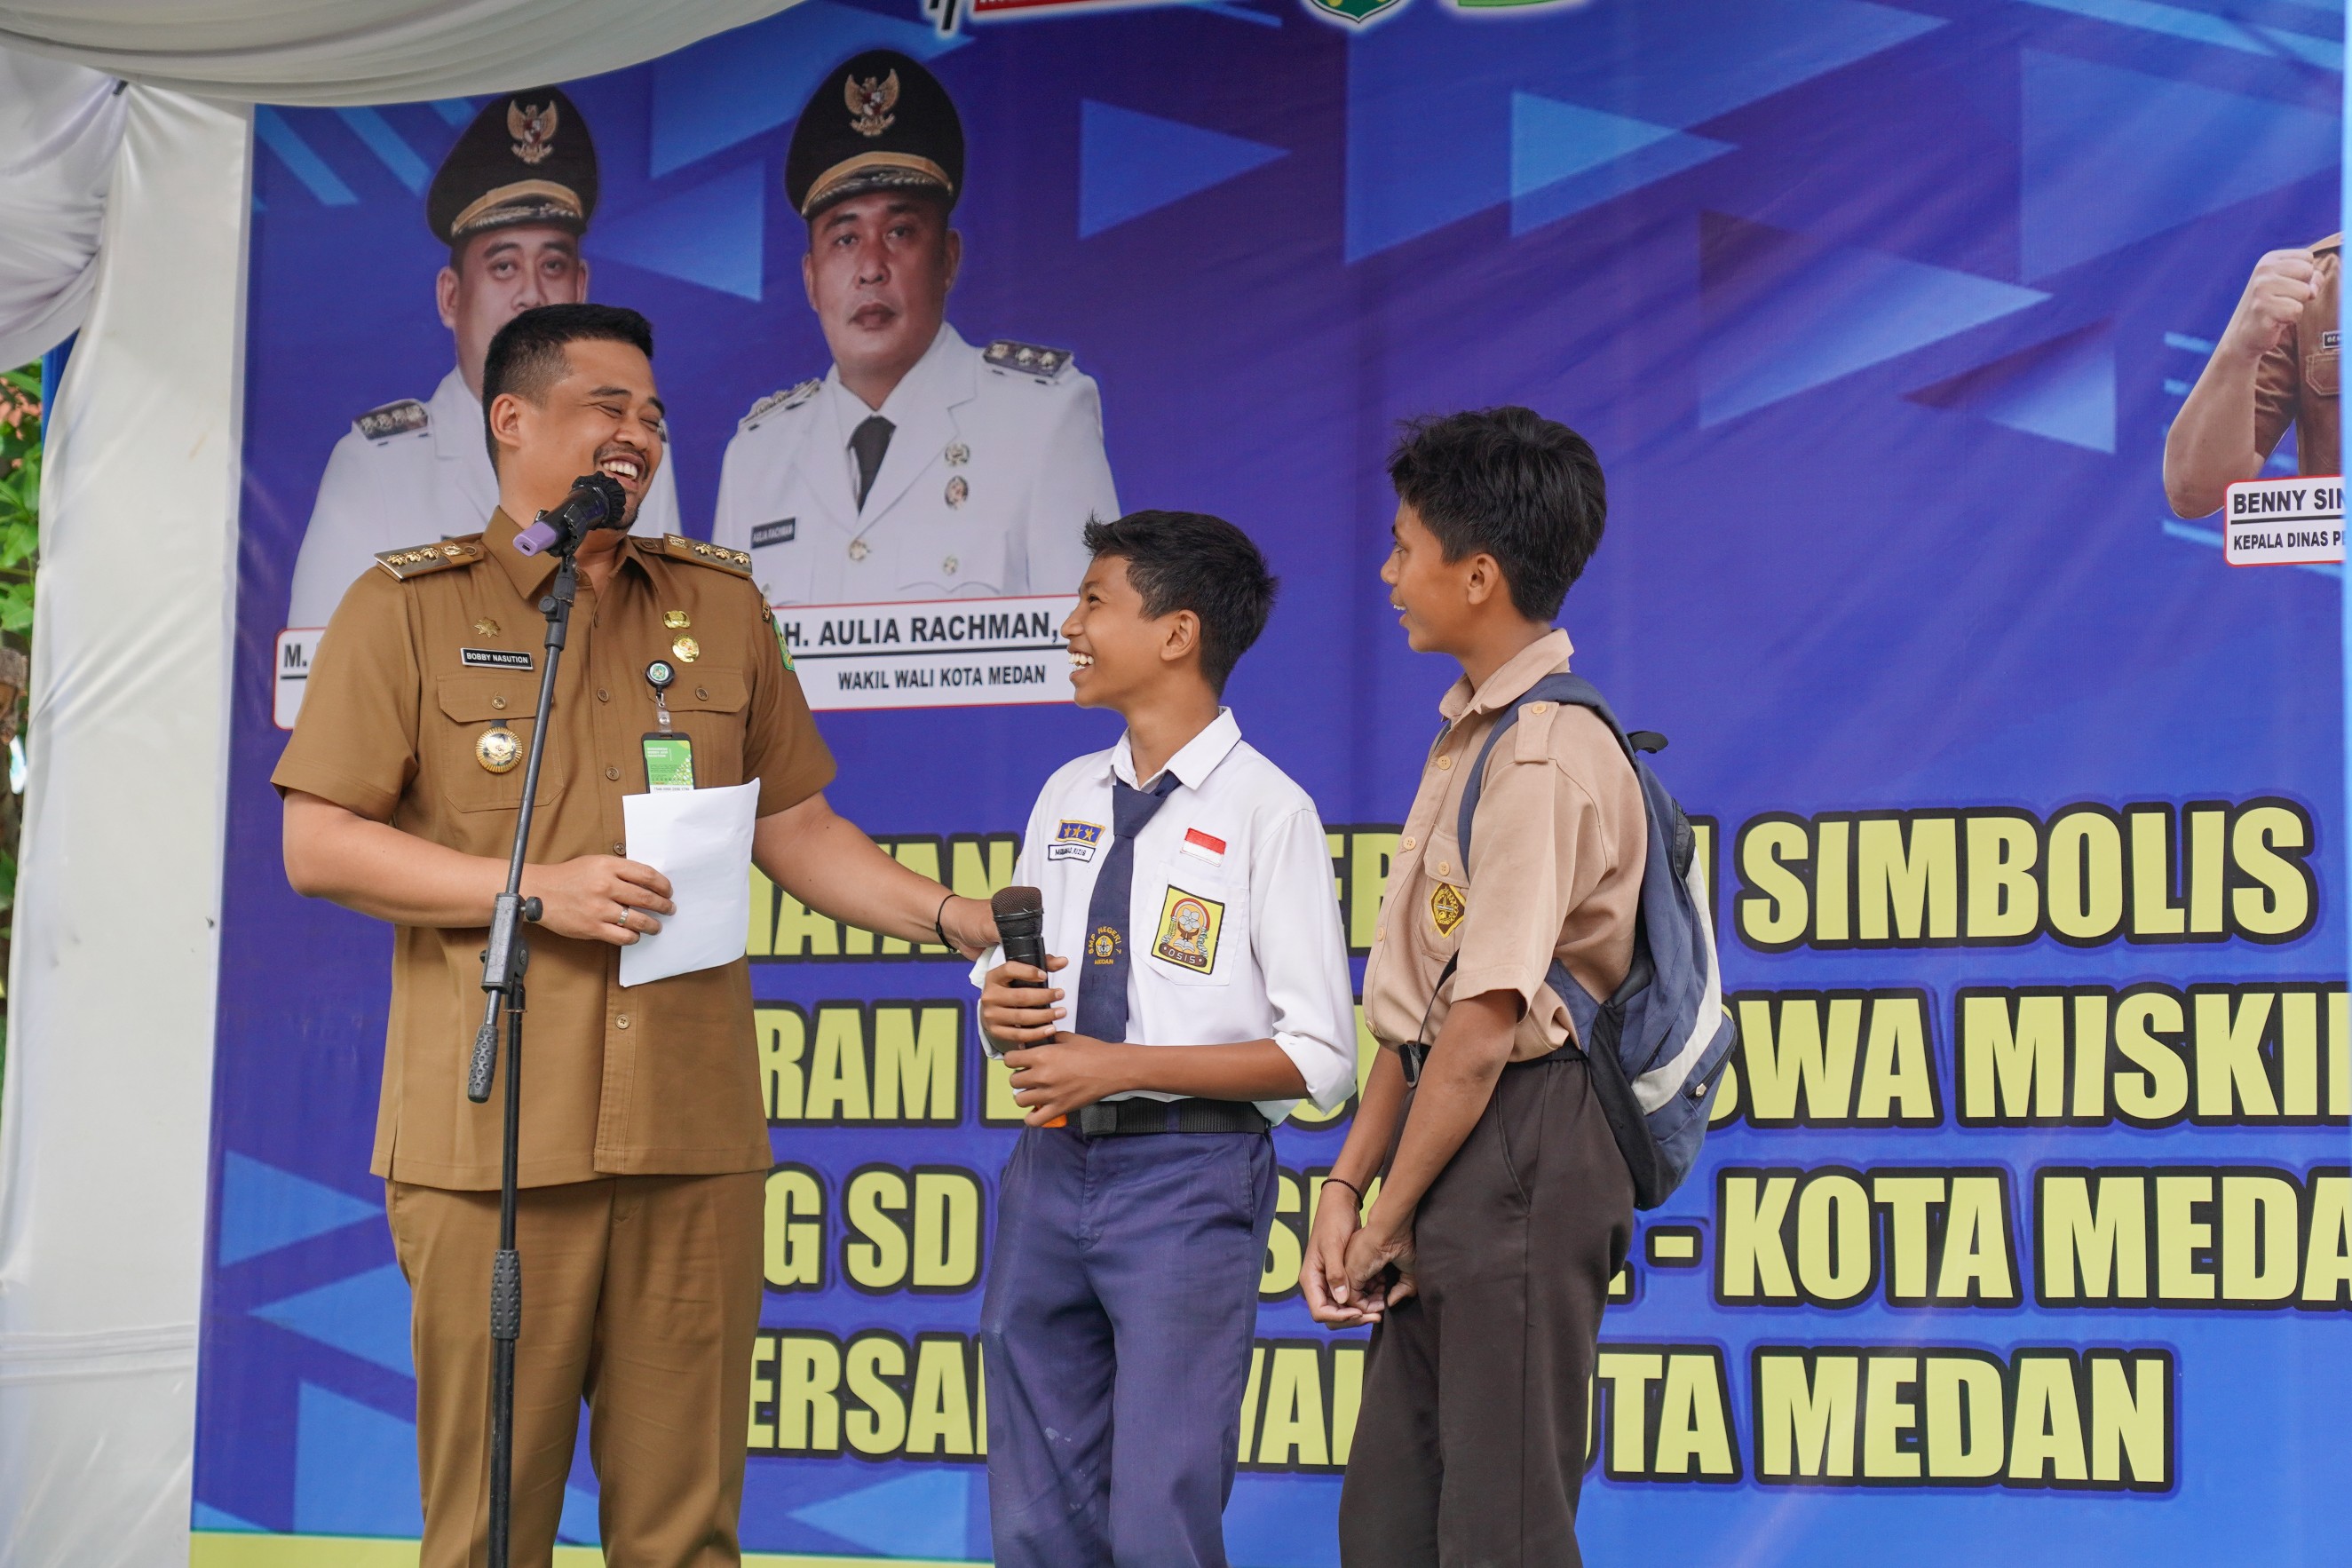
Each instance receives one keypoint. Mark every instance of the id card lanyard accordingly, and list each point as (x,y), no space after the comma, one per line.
(669,756)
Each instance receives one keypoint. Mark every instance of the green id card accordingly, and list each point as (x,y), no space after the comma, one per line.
(669,760)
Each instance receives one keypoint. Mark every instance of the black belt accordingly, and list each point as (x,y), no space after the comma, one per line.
(1130,1118)
(1413,1057)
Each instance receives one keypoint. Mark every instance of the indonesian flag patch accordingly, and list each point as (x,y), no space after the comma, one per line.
(1204,846)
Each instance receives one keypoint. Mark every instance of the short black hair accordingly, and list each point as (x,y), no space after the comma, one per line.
(526,356)
(1526,489)
(1191,561)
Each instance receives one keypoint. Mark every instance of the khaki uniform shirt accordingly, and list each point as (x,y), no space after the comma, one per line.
(2296,383)
(661,1078)
(1555,866)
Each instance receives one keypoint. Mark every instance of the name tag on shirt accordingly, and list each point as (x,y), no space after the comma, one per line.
(778,532)
(1074,841)
(493,658)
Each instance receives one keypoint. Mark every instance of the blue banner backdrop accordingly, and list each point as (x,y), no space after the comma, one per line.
(2023,1233)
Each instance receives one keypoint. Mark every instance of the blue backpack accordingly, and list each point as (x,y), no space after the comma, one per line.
(1659,1044)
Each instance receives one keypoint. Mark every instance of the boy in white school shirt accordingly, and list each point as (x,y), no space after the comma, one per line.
(1190,880)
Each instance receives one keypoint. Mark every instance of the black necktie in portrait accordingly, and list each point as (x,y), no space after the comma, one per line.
(869,442)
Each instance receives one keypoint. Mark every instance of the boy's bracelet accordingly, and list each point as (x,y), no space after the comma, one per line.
(937,916)
(1351,1186)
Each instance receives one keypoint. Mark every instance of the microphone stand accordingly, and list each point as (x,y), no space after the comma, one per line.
(503,963)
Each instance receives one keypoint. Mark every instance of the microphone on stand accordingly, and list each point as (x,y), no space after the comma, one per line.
(1021,927)
(596,501)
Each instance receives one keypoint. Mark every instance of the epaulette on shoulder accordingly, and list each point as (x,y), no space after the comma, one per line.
(679,547)
(400,418)
(422,560)
(1026,359)
(789,398)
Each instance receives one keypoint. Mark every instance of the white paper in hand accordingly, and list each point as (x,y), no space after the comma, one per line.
(702,840)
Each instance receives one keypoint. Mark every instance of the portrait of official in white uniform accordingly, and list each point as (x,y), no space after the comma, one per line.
(921,466)
(511,200)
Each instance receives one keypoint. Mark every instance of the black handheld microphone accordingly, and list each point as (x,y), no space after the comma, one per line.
(1021,927)
(596,501)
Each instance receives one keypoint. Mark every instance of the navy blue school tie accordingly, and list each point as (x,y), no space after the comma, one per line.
(1102,983)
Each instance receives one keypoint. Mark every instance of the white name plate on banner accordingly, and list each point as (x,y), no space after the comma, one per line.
(935,653)
(2284,523)
(295,646)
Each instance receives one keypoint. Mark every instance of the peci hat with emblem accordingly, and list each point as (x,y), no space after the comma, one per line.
(526,159)
(877,123)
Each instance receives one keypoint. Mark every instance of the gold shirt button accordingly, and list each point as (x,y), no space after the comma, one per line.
(622,1021)
(702,694)
(498,703)
(1443,869)
(612,772)
(1444,763)
(1379,933)
(620,849)
(1406,842)
(602,695)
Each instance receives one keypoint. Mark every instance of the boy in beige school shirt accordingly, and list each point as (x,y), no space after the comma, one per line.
(1505,1207)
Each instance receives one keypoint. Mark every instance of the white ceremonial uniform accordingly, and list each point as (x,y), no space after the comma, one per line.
(992,473)
(1243,845)
(408,473)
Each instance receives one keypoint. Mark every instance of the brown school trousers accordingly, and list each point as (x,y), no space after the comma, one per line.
(1471,1446)
(641,1295)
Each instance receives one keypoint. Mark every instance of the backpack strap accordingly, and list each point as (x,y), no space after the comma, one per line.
(1569,692)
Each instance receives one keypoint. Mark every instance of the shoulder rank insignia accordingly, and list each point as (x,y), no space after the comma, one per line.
(679,547)
(791,397)
(400,418)
(422,560)
(1026,359)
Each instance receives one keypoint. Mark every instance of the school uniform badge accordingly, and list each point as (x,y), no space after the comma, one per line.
(1188,924)
(1074,841)
(1447,908)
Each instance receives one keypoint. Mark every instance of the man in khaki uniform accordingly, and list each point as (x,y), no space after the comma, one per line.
(1505,1207)
(644,1147)
(2276,365)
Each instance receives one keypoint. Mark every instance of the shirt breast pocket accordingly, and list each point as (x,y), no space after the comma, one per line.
(1200,930)
(475,706)
(709,703)
(949,562)
(2320,370)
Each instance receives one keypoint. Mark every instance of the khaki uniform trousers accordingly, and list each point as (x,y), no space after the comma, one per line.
(1471,1447)
(640,1294)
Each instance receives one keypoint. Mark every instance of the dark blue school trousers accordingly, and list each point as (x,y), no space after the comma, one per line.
(1122,1293)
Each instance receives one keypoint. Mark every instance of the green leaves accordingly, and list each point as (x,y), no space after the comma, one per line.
(20,543)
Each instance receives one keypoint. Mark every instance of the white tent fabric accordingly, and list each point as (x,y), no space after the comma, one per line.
(59,126)
(104,1123)
(104,1115)
(347,51)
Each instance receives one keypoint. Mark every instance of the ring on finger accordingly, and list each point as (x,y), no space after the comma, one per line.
(622,919)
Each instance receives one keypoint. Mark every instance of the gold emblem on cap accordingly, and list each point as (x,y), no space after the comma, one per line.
(532,125)
(958,454)
(486,627)
(958,492)
(687,649)
(498,750)
(870,103)
(859,550)
(676,620)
